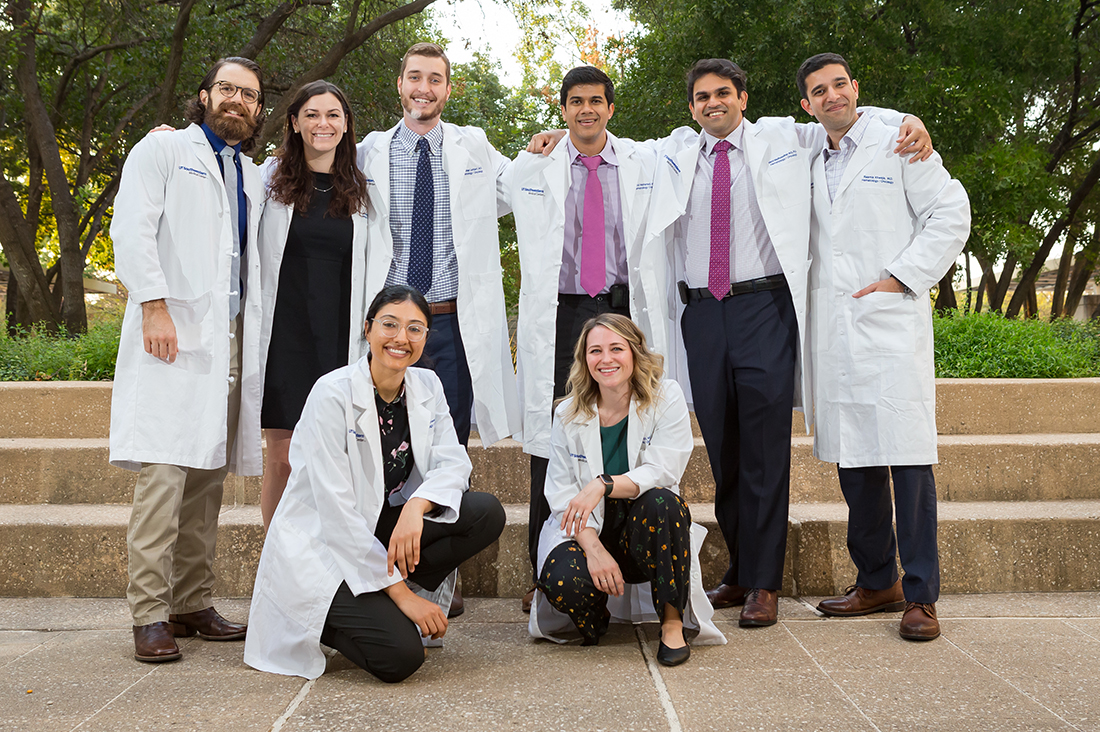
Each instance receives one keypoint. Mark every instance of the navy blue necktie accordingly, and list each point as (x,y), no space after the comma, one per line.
(420,246)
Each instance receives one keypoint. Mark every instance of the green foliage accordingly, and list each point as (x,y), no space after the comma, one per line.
(987,345)
(38,356)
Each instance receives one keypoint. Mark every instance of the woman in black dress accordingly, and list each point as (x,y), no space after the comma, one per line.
(313,249)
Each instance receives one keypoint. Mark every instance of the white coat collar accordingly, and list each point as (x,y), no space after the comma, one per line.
(754,150)
(589,431)
(205,153)
(863,154)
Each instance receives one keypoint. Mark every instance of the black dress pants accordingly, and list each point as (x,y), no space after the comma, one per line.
(871,538)
(648,537)
(573,312)
(741,354)
(369,629)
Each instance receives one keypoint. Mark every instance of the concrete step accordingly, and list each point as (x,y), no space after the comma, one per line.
(1039,546)
(963,407)
(972,468)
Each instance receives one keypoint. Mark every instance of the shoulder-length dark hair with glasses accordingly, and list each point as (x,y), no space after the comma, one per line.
(292,183)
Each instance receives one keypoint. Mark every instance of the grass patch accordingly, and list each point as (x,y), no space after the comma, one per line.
(986,345)
(39,356)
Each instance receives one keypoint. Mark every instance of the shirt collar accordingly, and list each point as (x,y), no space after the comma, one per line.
(851,138)
(398,400)
(707,141)
(216,142)
(608,152)
(409,139)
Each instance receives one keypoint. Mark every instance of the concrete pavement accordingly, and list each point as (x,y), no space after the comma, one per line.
(1004,662)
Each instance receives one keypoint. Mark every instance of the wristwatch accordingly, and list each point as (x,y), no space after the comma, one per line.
(608,484)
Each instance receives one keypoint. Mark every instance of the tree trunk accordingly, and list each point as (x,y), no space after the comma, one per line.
(1032,305)
(1000,285)
(945,299)
(167,105)
(981,293)
(17,241)
(1082,271)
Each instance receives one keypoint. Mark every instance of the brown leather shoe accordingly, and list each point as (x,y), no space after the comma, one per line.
(919,622)
(154,643)
(861,601)
(761,608)
(458,606)
(206,624)
(726,596)
(528,600)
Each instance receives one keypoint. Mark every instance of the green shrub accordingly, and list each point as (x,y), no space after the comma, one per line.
(39,356)
(986,345)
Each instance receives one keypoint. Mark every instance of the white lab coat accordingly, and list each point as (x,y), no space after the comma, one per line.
(536,187)
(778,154)
(472,166)
(173,239)
(660,442)
(873,378)
(275,221)
(322,533)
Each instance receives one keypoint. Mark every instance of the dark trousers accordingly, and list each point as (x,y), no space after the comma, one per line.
(650,539)
(741,355)
(871,538)
(369,629)
(445,354)
(573,312)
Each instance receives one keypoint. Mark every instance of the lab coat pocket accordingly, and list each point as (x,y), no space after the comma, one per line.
(295,575)
(874,210)
(883,323)
(194,334)
(478,197)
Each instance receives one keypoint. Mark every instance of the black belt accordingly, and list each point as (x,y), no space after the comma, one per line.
(618,297)
(760,284)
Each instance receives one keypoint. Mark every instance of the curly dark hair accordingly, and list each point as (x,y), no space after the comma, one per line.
(196,110)
(292,183)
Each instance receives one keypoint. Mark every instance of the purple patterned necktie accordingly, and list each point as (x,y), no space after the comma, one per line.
(593,267)
(719,280)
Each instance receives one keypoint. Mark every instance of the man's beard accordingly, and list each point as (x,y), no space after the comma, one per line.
(228,127)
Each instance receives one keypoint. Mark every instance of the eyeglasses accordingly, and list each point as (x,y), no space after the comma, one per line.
(390,328)
(228,90)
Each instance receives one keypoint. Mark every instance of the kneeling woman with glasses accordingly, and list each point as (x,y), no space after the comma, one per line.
(619,544)
(377,494)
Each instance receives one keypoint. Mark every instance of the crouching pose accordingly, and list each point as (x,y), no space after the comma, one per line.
(618,529)
(377,494)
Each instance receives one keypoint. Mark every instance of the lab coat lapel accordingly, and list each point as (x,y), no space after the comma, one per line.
(755,150)
(379,172)
(420,417)
(205,154)
(861,157)
(589,433)
(634,431)
(362,398)
(455,158)
(629,170)
(557,185)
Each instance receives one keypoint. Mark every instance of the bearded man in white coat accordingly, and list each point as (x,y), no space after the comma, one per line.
(186,402)
(883,233)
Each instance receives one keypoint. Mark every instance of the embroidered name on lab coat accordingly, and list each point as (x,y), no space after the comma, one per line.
(647,440)
(370,181)
(878,179)
(533,191)
(785,156)
(474,171)
(358,435)
(575,456)
(192,171)
(644,187)
(672,163)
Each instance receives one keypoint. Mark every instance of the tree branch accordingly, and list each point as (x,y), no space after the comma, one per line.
(175,62)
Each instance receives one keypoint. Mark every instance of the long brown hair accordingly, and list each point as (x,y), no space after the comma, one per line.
(645,382)
(292,183)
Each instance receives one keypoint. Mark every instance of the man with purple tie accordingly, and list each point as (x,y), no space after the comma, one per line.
(581,216)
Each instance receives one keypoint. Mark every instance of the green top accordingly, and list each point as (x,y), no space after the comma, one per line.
(613,440)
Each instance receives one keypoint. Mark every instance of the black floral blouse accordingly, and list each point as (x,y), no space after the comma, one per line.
(397,455)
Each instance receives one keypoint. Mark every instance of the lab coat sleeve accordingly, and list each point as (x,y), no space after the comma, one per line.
(449,466)
(942,209)
(812,136)
(676,141)
(502,165)
(563,482)
(319,446)
(139,206)
(663,462)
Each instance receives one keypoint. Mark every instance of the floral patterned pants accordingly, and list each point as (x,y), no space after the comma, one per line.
(650,539)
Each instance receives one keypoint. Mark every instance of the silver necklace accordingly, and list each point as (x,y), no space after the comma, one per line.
(324,190)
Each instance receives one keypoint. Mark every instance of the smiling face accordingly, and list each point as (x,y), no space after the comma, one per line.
(394,353)
(716,105)
(424,88)
(231,118)
(321,122)
(609,358)
(586,113)
(831,98)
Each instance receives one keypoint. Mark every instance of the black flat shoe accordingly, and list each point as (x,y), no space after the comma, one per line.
(672,656)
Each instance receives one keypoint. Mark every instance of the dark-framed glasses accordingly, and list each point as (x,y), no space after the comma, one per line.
(229,90)
(415,332)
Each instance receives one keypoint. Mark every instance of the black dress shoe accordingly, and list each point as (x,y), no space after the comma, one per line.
(154,643)
(458,606)
(672,656)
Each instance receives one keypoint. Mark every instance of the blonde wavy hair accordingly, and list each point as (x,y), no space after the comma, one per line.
(645,382)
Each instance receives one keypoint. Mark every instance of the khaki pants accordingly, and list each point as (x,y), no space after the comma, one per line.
(174,524)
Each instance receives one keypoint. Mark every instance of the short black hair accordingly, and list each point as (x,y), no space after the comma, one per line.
(816,63)
(587,75)
(196,110)
(720,67)
(394,294)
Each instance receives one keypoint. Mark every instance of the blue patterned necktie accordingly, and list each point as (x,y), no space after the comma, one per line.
(420,246)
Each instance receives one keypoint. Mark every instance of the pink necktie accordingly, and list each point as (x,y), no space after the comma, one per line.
(593,267)
(719,280)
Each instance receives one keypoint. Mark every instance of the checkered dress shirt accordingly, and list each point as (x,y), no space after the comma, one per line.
(836,161)
(403,158)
